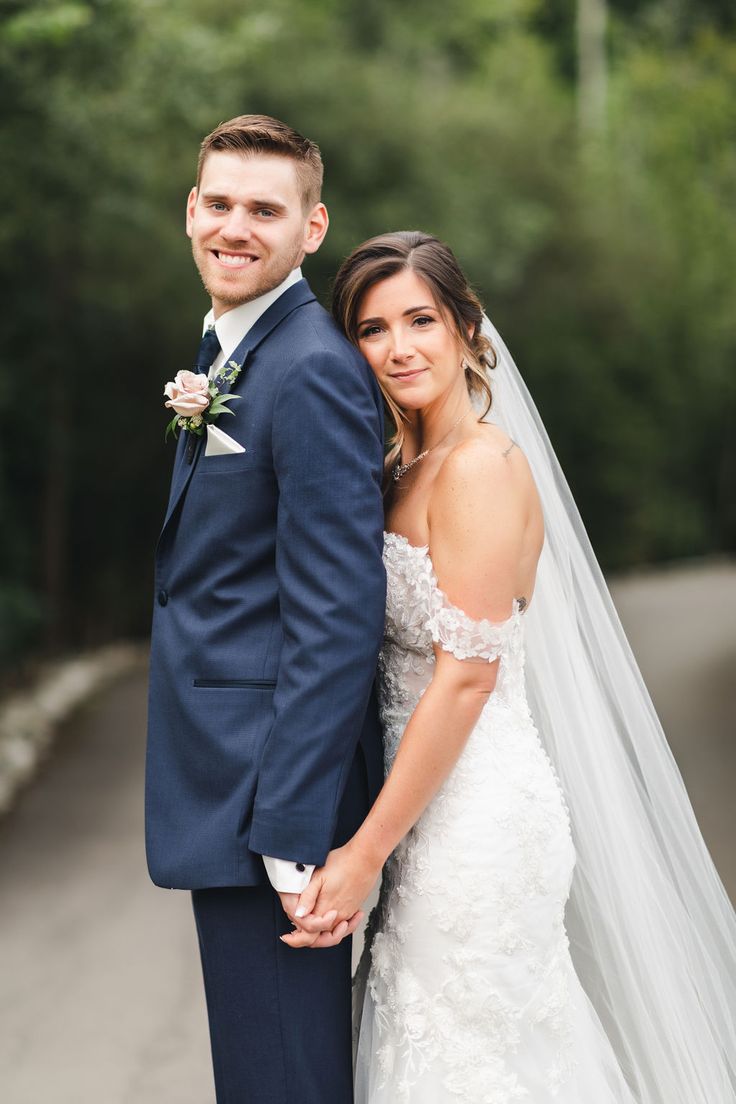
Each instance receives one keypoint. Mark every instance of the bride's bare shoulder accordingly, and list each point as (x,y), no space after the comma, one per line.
(484,482)
(481,513)
(487,456)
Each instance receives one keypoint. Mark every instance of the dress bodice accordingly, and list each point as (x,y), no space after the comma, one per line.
(418,616)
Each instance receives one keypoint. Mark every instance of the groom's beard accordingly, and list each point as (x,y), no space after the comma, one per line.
(232,288)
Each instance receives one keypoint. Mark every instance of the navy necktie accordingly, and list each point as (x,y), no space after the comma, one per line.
(209,347)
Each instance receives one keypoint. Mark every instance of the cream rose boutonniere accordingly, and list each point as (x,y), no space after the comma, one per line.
(197,399)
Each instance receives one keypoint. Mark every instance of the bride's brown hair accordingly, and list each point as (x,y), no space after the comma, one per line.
(435,263)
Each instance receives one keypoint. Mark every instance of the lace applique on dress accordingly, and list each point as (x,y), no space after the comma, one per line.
(457,633)
(465,980)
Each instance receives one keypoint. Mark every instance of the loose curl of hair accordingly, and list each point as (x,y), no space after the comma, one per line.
(434,262)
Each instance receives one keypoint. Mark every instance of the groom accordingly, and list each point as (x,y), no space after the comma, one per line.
(264,749)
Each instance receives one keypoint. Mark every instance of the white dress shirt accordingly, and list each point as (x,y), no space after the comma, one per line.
(231,327)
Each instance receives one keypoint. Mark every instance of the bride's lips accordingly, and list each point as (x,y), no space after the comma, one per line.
(233,261)
(409,374)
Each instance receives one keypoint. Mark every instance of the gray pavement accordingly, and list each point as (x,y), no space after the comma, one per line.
(682,626)
(100,991)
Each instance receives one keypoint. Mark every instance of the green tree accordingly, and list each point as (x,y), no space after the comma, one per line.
(607,265)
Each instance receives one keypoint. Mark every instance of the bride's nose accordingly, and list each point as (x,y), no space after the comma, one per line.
(400,351)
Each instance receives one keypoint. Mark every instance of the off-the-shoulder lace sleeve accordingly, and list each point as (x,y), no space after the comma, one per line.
(465,638)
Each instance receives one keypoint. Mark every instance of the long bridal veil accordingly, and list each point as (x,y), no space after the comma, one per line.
(652,932)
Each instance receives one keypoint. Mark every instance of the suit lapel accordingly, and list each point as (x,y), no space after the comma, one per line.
(295,296)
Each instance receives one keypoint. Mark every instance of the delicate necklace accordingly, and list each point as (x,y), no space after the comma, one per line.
(402,469)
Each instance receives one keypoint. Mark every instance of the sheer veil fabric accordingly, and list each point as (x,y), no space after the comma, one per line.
(652,932)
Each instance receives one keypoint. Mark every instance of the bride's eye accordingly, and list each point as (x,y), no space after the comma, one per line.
(369,331)
(422,320)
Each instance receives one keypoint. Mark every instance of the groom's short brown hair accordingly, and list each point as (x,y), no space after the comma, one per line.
(250,134)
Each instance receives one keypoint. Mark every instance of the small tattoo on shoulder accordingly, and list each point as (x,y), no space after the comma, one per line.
(508,450)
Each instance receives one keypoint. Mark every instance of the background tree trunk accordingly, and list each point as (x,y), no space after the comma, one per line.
(592,18)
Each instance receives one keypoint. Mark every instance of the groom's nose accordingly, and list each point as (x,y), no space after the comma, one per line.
(236,227)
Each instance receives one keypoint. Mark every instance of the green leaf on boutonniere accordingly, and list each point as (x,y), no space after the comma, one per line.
(171,427)
(219,405)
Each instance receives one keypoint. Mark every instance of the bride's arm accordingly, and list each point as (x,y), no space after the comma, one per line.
(478,516)
(431,744)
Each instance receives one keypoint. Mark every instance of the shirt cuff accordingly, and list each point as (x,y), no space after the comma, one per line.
(286,876)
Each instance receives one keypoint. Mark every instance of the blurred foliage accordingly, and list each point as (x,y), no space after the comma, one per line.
(607,262)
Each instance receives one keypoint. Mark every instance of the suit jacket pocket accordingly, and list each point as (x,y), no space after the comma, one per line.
(232,462)
(226,726)
(234,684)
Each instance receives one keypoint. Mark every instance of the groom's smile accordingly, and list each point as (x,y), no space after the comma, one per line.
(248,225)
(234,260)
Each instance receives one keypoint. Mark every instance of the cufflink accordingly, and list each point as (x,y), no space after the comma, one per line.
(301,867)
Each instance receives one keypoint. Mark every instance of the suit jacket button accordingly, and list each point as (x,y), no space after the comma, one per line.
(163,597)
(300,867)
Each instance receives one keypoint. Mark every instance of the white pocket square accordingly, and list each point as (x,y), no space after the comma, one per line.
(219,444)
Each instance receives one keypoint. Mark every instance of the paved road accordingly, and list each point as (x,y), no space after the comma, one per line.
(100,999)
(682,627)
(100,993)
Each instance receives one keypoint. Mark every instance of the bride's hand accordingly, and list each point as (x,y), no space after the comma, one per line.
(340,886)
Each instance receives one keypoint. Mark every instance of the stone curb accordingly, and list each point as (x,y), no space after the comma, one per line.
(29,719)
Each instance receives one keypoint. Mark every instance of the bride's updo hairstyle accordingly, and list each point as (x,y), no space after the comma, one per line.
(434,262)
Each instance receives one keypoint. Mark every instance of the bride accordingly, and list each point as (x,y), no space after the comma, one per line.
(550,926)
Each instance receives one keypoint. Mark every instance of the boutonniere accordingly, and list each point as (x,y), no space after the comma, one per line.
(197,400)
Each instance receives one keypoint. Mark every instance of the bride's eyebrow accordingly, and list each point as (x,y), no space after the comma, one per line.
(404,314)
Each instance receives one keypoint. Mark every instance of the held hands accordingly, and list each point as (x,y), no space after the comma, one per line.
(325,931)
(329,908)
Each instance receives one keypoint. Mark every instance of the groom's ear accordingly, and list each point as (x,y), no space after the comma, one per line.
(315,228)
(191,204)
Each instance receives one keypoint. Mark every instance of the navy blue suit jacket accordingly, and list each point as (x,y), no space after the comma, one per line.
(268,615)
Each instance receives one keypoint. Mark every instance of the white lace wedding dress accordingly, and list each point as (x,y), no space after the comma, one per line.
(466,990)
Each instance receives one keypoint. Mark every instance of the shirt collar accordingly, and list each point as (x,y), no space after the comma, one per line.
(232,326)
